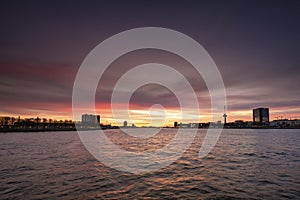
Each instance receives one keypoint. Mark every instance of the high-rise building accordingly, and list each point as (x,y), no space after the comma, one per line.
(125,124)
(90,119)
(261,115)
(175,124)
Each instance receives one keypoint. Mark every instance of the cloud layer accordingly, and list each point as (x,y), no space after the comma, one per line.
(255,48)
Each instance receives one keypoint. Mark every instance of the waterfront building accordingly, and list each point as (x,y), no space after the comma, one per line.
(125,124)
(175,124)
(90,119)
(285,123)
(261,115)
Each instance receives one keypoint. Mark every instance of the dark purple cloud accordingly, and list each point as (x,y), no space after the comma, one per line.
(255,44)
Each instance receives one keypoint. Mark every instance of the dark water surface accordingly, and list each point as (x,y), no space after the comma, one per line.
(245,164)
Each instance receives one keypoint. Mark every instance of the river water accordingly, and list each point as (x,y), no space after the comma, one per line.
(245,164)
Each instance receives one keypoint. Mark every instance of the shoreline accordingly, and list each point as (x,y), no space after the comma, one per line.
(104,128)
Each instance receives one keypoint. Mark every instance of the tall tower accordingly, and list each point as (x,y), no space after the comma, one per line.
(225,116)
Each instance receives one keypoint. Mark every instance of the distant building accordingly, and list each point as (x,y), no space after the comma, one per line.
(125,124)
(261,115)
(90,119)
(285,123)
(175,124)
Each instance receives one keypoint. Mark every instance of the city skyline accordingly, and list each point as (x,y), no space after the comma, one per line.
(254,45)
(260,116)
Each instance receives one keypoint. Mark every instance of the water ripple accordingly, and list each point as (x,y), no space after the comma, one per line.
(245,164)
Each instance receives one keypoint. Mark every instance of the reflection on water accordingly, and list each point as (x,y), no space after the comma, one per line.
(245,164)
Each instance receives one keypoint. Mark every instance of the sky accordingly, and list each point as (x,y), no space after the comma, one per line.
(255,45)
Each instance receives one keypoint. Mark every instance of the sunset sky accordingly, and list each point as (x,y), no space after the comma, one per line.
(255,45)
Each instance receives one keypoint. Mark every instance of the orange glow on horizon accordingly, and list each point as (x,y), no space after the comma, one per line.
(142,116)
